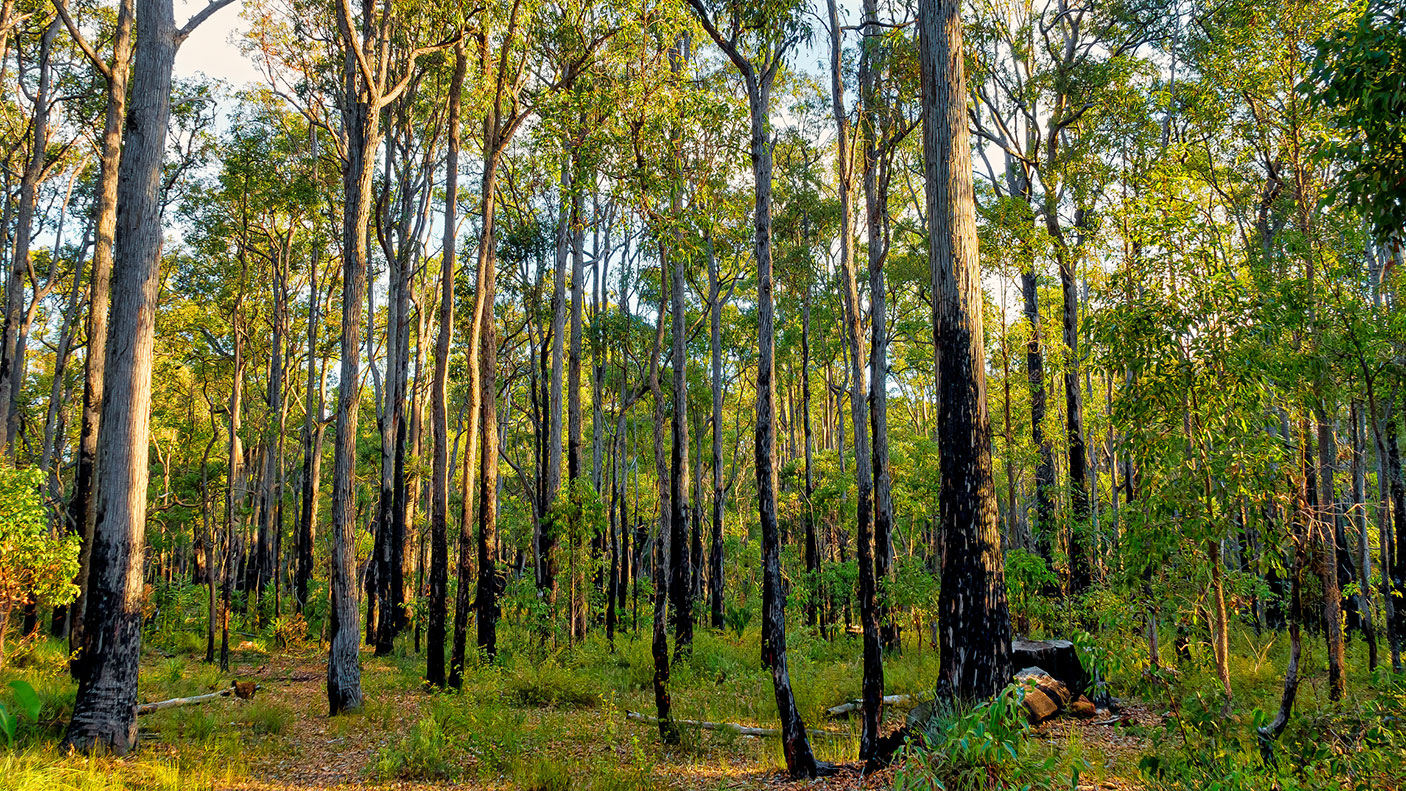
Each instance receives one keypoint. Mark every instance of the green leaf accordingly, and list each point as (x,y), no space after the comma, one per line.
(27,699)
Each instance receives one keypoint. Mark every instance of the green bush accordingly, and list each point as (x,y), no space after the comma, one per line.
(977,748)
(549,684)
(422,754)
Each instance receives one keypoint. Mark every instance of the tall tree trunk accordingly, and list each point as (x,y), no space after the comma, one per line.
(975,624)
(361,122)
(1326,527)
(488,586)
(83,506)
(659,639)
(715,555)
(1080,576)
(812,546)
(105,709)
(313,428)
(1035,373)
(876,214)
(873,683)
(54,423)
(800,761)
(12,350)
(439,394)
(573,372)
(547,529)
(680,582)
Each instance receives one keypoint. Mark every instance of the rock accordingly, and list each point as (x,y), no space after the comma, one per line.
(1083,708)
(1058,658)
(1044,695)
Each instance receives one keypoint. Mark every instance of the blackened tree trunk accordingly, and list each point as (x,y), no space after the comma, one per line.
(1035,376)
(800,761)
(313,430)
(1080,576)
(715,555)
(83,507)
(758,75)
(975,624)
(439,395)
(105,709)
(873,685)
(680,581)
(659,638)
(877,150)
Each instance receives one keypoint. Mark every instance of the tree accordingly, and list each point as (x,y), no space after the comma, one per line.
(873,686)
(105,710)
(974,623)
(758,73)
(439,486)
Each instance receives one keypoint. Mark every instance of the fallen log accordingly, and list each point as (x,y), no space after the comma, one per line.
(740,730)
(848,707)
(241,689)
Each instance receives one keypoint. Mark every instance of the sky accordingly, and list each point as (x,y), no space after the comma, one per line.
(211,50)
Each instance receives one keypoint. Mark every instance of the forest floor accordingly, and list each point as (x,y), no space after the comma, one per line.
(541,718)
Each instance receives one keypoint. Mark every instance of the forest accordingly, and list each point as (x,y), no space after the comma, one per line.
(972,395)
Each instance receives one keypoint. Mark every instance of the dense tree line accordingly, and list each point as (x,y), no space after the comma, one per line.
(947,321)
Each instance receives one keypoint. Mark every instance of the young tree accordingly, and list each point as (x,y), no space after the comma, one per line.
(439,412)
(734,33)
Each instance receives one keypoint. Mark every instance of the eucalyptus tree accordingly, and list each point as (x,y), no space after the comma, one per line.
(1048,75)
(371,81)
(974,622)
(885,76)
(501,36)
(853,331)
(115,72)
(37,162)
(757,41)
(105,709)
(439,411)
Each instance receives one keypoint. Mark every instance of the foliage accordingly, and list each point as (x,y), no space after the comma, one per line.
(34,562)
(981,747)
(1357,74)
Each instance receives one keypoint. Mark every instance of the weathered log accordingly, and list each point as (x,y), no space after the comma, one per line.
(241,689)
(1058,658)
(740,730)
(1044,697)
(845,709)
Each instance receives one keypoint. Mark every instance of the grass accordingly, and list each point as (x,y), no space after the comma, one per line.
(551,716)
